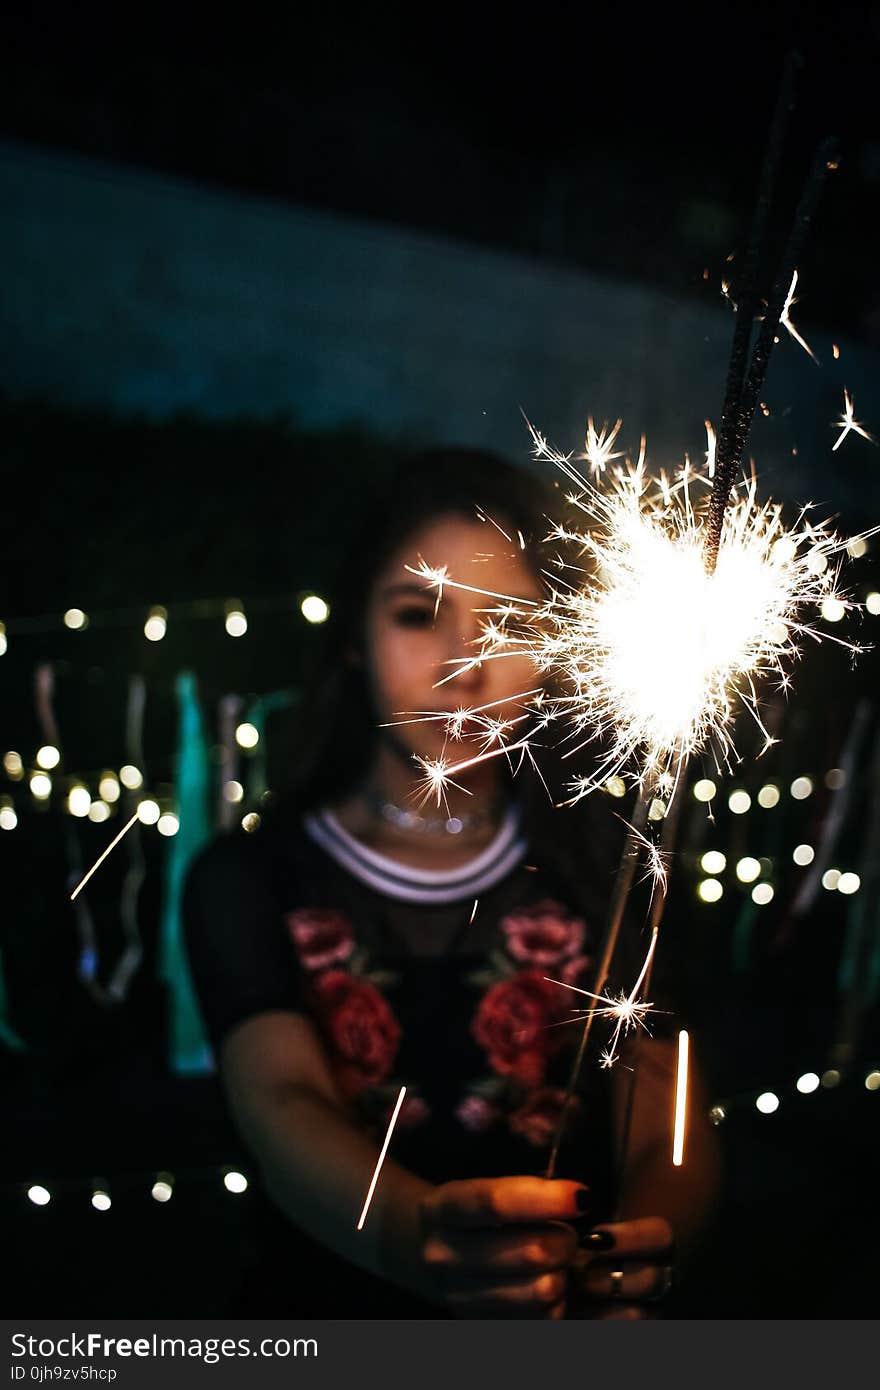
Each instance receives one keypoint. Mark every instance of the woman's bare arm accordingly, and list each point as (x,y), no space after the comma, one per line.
(315,1160)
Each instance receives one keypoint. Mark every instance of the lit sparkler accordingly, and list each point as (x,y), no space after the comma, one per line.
(649,654)
(848,422)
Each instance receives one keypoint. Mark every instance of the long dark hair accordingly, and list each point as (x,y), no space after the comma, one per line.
(335,726)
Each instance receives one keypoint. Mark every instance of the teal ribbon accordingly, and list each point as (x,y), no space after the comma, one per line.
(257,715)
(189,1050)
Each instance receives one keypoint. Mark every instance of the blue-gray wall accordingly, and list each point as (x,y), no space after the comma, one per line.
(149,294)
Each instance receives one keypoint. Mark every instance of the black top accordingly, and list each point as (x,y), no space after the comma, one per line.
(436,980)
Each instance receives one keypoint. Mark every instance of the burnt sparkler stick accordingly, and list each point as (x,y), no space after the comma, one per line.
(623,882)
(747,285)
(725,470)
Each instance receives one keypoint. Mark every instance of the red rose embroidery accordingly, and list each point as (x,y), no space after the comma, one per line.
(537,1119)
(513,1025)
(321,936)
(363,1032)
(542,935)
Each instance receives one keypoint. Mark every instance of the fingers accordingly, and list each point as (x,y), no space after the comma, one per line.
(529,1298)
(482,1202)
(621,1282)
(522,1250)
(647,1235)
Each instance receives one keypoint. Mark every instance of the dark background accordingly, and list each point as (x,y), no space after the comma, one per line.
(546,135)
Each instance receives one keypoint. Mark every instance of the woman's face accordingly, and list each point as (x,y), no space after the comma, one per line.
(411,639)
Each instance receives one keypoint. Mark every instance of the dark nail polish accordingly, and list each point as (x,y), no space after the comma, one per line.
(600,1240)
(583,1199)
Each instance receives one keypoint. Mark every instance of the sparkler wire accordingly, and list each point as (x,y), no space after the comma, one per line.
(668,837)
(736,431)
(747,288)
(623,882)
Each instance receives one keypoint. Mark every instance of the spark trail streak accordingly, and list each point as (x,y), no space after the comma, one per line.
(681,1082)
(381,1159)
(98,862)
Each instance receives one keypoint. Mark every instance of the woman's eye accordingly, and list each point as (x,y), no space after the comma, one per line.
(414,616)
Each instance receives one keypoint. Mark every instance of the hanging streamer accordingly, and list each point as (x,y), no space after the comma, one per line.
(257,715)
(190,1053)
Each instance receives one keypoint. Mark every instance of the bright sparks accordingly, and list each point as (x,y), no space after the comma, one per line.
(681,1087)
(381,1159)
(848,422)
(785,321)
(650,656)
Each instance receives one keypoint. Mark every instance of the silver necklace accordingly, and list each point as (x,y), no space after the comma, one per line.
(429,825)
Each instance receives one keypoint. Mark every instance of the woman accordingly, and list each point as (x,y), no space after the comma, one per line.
(362,940)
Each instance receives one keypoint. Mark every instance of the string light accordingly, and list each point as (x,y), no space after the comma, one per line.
(233,791)
(762,893)
(830,1078)
(131,778)
(3,641)
(657,809)
(314,609)
(236,622)
(39,1195)
(808,1083)
(713,862)
(247,736)
(8,818)
(13,766)
(801,788)
(748,869)
(857,547)
(848,884)
(739,802)
(108,786)
(99,811)
(234,1181)
(163,1188)
(832,610)
(767,1102)
(830,879)
(616,786)
(148,811)
(250,822)
(768,796)
(79,801)
(872,603)
(157,624)
(803,855)
(710,890)
(101,1200)
(705,789)
(872,1081)
(48,757)
(76,619)
(41,785)
(168,824)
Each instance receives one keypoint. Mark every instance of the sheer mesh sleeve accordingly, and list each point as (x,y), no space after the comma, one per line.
(240,958)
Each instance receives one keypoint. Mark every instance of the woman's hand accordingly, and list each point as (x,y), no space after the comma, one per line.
(500,1247)
(623,1269)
